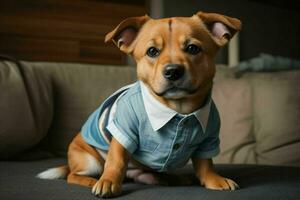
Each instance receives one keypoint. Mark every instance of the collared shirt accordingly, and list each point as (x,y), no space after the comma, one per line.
(154,134)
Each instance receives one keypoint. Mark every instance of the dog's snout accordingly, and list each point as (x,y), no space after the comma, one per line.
(173,72)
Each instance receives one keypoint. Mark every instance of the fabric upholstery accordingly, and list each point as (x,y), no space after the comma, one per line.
(233,98)
(260,115)
(22,125)
(256,182)
(277,117)
(259,111)
(78,89)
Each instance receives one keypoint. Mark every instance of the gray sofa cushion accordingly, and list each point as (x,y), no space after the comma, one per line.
(257,182)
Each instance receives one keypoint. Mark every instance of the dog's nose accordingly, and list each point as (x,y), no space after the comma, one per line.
(173,72)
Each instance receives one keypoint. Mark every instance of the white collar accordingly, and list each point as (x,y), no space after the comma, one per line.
(159,114)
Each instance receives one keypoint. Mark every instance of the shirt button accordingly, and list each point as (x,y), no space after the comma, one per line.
(176,146)
(185,122)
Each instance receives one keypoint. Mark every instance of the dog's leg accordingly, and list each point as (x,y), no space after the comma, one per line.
(84,163)
(110,183)
(209,178)
(81,180)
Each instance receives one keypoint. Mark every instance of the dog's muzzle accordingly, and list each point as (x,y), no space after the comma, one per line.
(177,84)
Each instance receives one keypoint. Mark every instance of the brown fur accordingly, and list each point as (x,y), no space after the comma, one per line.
(134,36)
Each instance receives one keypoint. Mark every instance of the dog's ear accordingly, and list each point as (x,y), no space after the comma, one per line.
(222,28)
(125,33)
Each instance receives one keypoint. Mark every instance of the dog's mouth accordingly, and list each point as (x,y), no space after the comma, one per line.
(177,92)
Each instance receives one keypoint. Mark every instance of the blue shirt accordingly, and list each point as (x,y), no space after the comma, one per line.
(154,134)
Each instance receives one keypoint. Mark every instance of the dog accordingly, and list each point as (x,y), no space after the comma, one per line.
(164,119)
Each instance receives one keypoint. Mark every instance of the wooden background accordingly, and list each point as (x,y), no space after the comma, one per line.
(63,30)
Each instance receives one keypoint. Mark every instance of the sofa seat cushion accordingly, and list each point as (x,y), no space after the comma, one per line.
(18,181)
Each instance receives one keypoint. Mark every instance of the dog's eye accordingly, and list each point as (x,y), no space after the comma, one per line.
(192,49)
(153,52)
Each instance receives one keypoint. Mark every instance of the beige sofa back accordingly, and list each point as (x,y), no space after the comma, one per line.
(25,118)
(259,112)
(260,117)
(63,96)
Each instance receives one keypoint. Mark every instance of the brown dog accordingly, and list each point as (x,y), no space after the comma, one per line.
(175,63)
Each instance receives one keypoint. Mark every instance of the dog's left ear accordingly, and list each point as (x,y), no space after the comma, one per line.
(222,28)
(125,33)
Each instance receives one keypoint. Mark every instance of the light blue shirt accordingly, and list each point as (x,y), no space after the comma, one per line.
(154,134)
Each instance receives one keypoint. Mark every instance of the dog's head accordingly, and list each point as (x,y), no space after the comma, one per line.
(175,55)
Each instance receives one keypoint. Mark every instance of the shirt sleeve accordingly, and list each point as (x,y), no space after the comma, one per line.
(210,146)
(124,126)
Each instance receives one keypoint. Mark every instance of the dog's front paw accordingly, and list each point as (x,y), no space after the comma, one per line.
(216,182)
(106,188)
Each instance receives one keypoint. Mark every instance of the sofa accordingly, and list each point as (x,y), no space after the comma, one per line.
(43,105)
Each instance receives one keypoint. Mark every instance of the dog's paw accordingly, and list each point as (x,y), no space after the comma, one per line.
(217,182)
(106,188)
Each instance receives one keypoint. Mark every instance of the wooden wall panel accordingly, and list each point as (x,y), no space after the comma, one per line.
(63,30)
